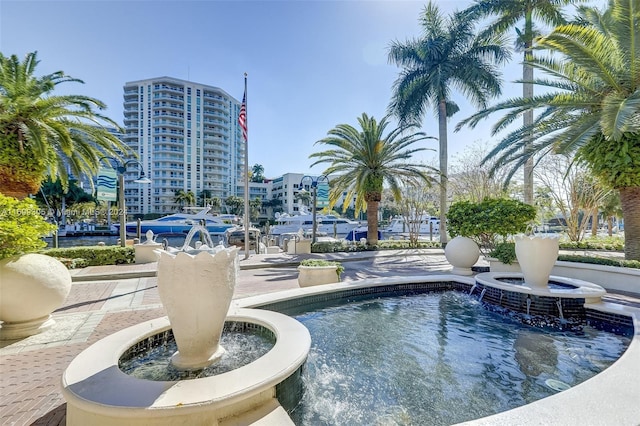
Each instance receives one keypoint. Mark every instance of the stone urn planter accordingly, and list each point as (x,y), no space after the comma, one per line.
(496,265)
(145,252)
(196,287)
(462,253)
(537,254)
(317,272)
(32,286)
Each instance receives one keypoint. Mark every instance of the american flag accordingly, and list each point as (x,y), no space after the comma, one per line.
(242,117)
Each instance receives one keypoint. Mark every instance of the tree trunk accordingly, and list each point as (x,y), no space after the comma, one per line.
(527,119)
(594,222)
(610,225)
(630,200)
(442,136)
(372,222)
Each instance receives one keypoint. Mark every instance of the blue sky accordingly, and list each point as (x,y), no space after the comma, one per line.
(311,64)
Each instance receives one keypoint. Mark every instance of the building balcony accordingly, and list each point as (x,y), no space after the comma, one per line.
(169,105)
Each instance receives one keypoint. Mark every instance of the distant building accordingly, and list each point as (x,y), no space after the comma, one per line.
(187,138)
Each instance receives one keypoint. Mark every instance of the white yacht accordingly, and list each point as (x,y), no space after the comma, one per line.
(181,223)
(399,225)
(329,224)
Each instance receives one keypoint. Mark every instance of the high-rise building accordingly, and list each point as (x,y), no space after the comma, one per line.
(187,138)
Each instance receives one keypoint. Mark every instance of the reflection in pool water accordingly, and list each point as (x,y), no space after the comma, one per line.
(436,359)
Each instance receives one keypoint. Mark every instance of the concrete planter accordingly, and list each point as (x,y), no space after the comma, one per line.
(32,286)
(536,255)
(317,275)
(496,266)
(462,253)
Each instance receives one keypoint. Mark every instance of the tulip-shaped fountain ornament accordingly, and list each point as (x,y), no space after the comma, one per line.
(537,254)
(196,287)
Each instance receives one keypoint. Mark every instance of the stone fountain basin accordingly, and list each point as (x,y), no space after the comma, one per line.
(576,289)
(99,393)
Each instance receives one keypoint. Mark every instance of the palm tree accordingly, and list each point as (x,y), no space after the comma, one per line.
(182,198)
(257,173)
(594,112)
(215,203)
(510,13)
(304,197)
(364,160)
(43,134)
(449,55)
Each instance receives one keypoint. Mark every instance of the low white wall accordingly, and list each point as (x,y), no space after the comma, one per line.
(609,277)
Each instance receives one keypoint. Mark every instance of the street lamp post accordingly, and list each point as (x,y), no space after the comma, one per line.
(314,193)
(121,168)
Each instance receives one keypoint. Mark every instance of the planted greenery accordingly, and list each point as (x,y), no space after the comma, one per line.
(321,262)
(600,261)
(21,227)
(343,247)
(505,252)
(92,255)
(490,221)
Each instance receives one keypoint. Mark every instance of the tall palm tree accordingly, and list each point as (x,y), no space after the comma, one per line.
(449,55)
(594,111)
(511,13)
(364,160)
(43,134)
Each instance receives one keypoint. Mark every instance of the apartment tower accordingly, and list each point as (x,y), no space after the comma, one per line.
(187,138)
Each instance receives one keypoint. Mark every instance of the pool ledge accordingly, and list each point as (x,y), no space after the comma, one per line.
(610,397)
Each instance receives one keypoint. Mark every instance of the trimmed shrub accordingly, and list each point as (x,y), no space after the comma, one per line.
(94,255)
(21,227)
(505,252)
(600,261)
(490,220)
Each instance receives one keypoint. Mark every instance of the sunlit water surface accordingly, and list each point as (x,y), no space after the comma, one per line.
(437,359)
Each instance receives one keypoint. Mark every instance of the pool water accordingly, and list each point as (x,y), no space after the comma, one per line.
(436,359)
(241,348)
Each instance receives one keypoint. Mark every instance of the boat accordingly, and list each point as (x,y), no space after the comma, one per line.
(399,225)
(236,237)
(329,224)
(180,223)
(360,233)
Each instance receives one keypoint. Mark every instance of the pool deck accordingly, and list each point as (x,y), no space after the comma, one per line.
(106,299)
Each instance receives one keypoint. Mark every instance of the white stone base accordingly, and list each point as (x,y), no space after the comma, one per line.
(20,330)
(98,393)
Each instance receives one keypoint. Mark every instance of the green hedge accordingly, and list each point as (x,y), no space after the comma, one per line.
(341,247)
(81,257)
(600,260)
(608,245)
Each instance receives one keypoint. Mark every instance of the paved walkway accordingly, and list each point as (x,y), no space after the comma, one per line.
(106,299)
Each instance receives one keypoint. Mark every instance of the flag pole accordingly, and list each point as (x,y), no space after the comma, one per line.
(247,222)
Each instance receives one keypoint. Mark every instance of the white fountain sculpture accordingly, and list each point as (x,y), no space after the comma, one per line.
(537,254)
(196,287)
